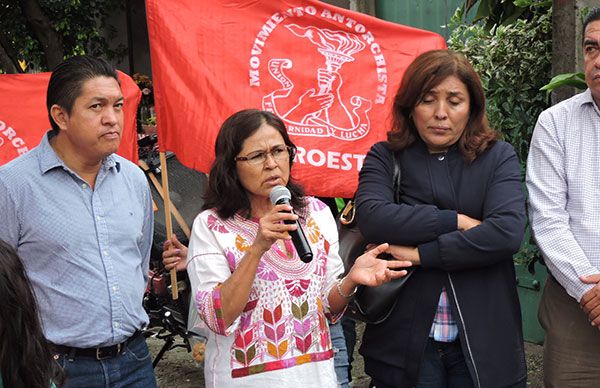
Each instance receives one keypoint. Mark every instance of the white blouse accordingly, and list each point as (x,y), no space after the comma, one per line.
(282,336)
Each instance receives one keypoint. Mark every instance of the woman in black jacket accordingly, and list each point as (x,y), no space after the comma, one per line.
(457,322)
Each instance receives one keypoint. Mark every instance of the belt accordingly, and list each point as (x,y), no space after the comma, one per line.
(99,353)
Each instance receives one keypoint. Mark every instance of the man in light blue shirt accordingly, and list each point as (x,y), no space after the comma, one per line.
(81,219)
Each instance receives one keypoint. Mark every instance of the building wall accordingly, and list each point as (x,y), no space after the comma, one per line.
(138,60)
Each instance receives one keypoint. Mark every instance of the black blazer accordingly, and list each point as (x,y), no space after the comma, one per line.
(475,266)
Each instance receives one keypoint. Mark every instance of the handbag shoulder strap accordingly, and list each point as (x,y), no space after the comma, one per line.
(347,215)
(397,176)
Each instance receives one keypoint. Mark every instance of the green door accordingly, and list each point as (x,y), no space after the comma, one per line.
(431,15)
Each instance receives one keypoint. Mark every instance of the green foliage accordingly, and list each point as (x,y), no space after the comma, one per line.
(576,80)
(504,12)
(79,23)
(514,62)
(16,32)
(146,114)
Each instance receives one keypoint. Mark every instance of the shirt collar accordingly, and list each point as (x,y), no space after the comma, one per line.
(50,160)
(587,98)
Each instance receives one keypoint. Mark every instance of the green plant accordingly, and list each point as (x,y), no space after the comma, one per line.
(44,32)
(151,120)
(146,113)
(504,12)
(576,80)
(514,62)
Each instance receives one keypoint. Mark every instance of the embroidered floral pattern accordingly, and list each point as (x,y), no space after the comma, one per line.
(313,232)
(241,243)
(265,273)
(297,287)
(302,326)
(231,261)
(209,308)
(324,334)
(284,322)
(216,225)
(277,344)
(244,346)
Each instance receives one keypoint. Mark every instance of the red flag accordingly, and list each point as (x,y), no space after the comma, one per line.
(330,73)
(24,117)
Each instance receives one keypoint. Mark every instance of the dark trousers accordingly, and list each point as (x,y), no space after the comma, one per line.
(349,326)
(443,365)
(131,368)
(572,345)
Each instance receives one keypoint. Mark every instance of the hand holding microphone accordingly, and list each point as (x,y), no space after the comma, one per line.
(281,195)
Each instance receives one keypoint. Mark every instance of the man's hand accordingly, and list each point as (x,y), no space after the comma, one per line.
(590,302)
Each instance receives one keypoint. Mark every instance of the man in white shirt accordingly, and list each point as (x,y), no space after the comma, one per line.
(564,198)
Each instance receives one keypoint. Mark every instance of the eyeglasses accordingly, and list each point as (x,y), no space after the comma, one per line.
(278,153)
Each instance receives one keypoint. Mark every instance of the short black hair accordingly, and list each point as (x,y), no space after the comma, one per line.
(591,17)
(68,77)
(225,192)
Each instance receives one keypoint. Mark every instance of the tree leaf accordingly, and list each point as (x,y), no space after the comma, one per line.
(576,80)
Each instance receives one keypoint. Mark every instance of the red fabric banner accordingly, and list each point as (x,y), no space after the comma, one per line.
(24,118)
(330,73)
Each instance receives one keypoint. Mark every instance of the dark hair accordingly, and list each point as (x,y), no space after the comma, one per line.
(25,358)
(67,80)
(591,17)
(225,192)
(426,72)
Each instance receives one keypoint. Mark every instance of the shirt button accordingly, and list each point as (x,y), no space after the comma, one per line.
(115,288)
(116,325)
(98,218)
(105,253)
(441,157)
(84,186)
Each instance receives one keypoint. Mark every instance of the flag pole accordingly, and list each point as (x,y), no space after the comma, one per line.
(168,224)
(178,217)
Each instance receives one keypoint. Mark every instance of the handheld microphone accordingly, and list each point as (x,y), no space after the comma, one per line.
(281,195)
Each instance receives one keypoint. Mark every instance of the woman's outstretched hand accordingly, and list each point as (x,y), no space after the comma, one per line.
(369,270)
(403,252)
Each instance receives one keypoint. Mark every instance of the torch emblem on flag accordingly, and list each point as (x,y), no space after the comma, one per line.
(321,111)
(330,74)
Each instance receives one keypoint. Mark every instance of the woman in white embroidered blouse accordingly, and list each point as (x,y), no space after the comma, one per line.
(267,309)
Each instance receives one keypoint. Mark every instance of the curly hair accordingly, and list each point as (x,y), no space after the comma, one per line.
(25,357)
(225,192)
(426,72)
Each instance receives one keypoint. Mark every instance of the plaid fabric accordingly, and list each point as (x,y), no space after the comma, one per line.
(563,181)
(444,327)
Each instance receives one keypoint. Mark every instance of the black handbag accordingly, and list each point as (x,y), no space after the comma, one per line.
(370,304)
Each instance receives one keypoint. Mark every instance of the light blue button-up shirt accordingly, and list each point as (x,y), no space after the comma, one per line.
(86,251)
